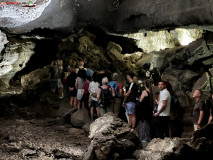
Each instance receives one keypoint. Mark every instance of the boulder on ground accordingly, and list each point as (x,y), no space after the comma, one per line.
(111,139)
(198,147)
(80,117)
(35,77)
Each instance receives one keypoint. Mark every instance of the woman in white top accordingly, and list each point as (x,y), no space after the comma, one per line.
(93,103)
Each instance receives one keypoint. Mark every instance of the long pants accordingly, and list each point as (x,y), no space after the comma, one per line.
(160,126)
(116,105)
(106,109)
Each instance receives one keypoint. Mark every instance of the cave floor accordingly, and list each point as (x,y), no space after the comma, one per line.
(41,139)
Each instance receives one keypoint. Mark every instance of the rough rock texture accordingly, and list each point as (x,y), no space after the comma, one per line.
(3,40)
(35,77)
(14,57)
(150,41)
(199,147)
(117,16)
(80,117)
(40,139)
(46,14)
(111,139)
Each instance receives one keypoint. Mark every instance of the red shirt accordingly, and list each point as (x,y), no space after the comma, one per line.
(86,87)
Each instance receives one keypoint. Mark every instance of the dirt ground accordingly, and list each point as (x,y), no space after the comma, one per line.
(37,131)
(44,139)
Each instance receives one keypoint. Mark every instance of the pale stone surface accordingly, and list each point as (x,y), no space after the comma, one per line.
(150,41)
(14,58)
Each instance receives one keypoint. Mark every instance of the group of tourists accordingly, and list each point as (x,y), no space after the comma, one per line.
(100,93)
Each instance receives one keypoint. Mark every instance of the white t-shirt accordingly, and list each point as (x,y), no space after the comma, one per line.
(164,95)
(93,89)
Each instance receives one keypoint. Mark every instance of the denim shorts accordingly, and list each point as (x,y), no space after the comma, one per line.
(94,104)
(130,108)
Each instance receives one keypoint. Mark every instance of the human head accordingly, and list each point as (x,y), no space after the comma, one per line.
(130,77)
(162,85)
(80,64)
(95,77)
(135,79)
(105,81)
(115,76)
(82,74)
(147,84)
(197,93)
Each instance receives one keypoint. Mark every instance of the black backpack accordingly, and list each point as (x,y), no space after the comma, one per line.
(105,97)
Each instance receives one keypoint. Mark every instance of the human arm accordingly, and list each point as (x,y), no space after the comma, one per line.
(113,92)
(98,94)
(162,108)
(76,84)
(200,119)
(210,117)
(143,94)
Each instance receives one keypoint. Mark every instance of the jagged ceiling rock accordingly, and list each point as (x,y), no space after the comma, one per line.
(51,14)
(124,16)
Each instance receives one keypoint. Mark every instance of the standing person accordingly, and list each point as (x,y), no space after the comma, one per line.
(144,113)
(200,117)
(70,83)
(130,99)
(162,116)
(80,66)
(105,97)
(59,82)
(172,109)
(93,102)
(118,93)
(85,93)
(211,111)
(81,77)
(53,76)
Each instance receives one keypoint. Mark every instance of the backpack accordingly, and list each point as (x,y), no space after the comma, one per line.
(115,86)
(105,97)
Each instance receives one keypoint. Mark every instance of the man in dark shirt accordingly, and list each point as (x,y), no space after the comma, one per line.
(199,111)
(130,95)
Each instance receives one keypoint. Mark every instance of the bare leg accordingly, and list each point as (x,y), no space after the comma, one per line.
(130,120)
(71,101)
(91,112)
(78,104)
(98,112)
(133,121)
(74,101)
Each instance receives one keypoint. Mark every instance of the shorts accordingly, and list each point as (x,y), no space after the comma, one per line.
(79,96)
(94,104)
(53,84)
(60,85)
(130,108)
(73,93)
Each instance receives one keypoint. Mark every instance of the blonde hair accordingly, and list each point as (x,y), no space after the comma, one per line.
(105,81)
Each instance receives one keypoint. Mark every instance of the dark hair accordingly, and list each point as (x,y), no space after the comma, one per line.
(82,74)
(95,77)
(169,88)
(89,78)
(164,82)
(131,75)
(148,85)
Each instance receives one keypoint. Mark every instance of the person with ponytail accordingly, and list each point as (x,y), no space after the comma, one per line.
(144,111)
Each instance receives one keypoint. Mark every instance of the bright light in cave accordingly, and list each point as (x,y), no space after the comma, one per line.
(185,37)
(150,41)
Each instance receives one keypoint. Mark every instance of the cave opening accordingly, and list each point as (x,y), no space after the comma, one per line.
(186,67)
